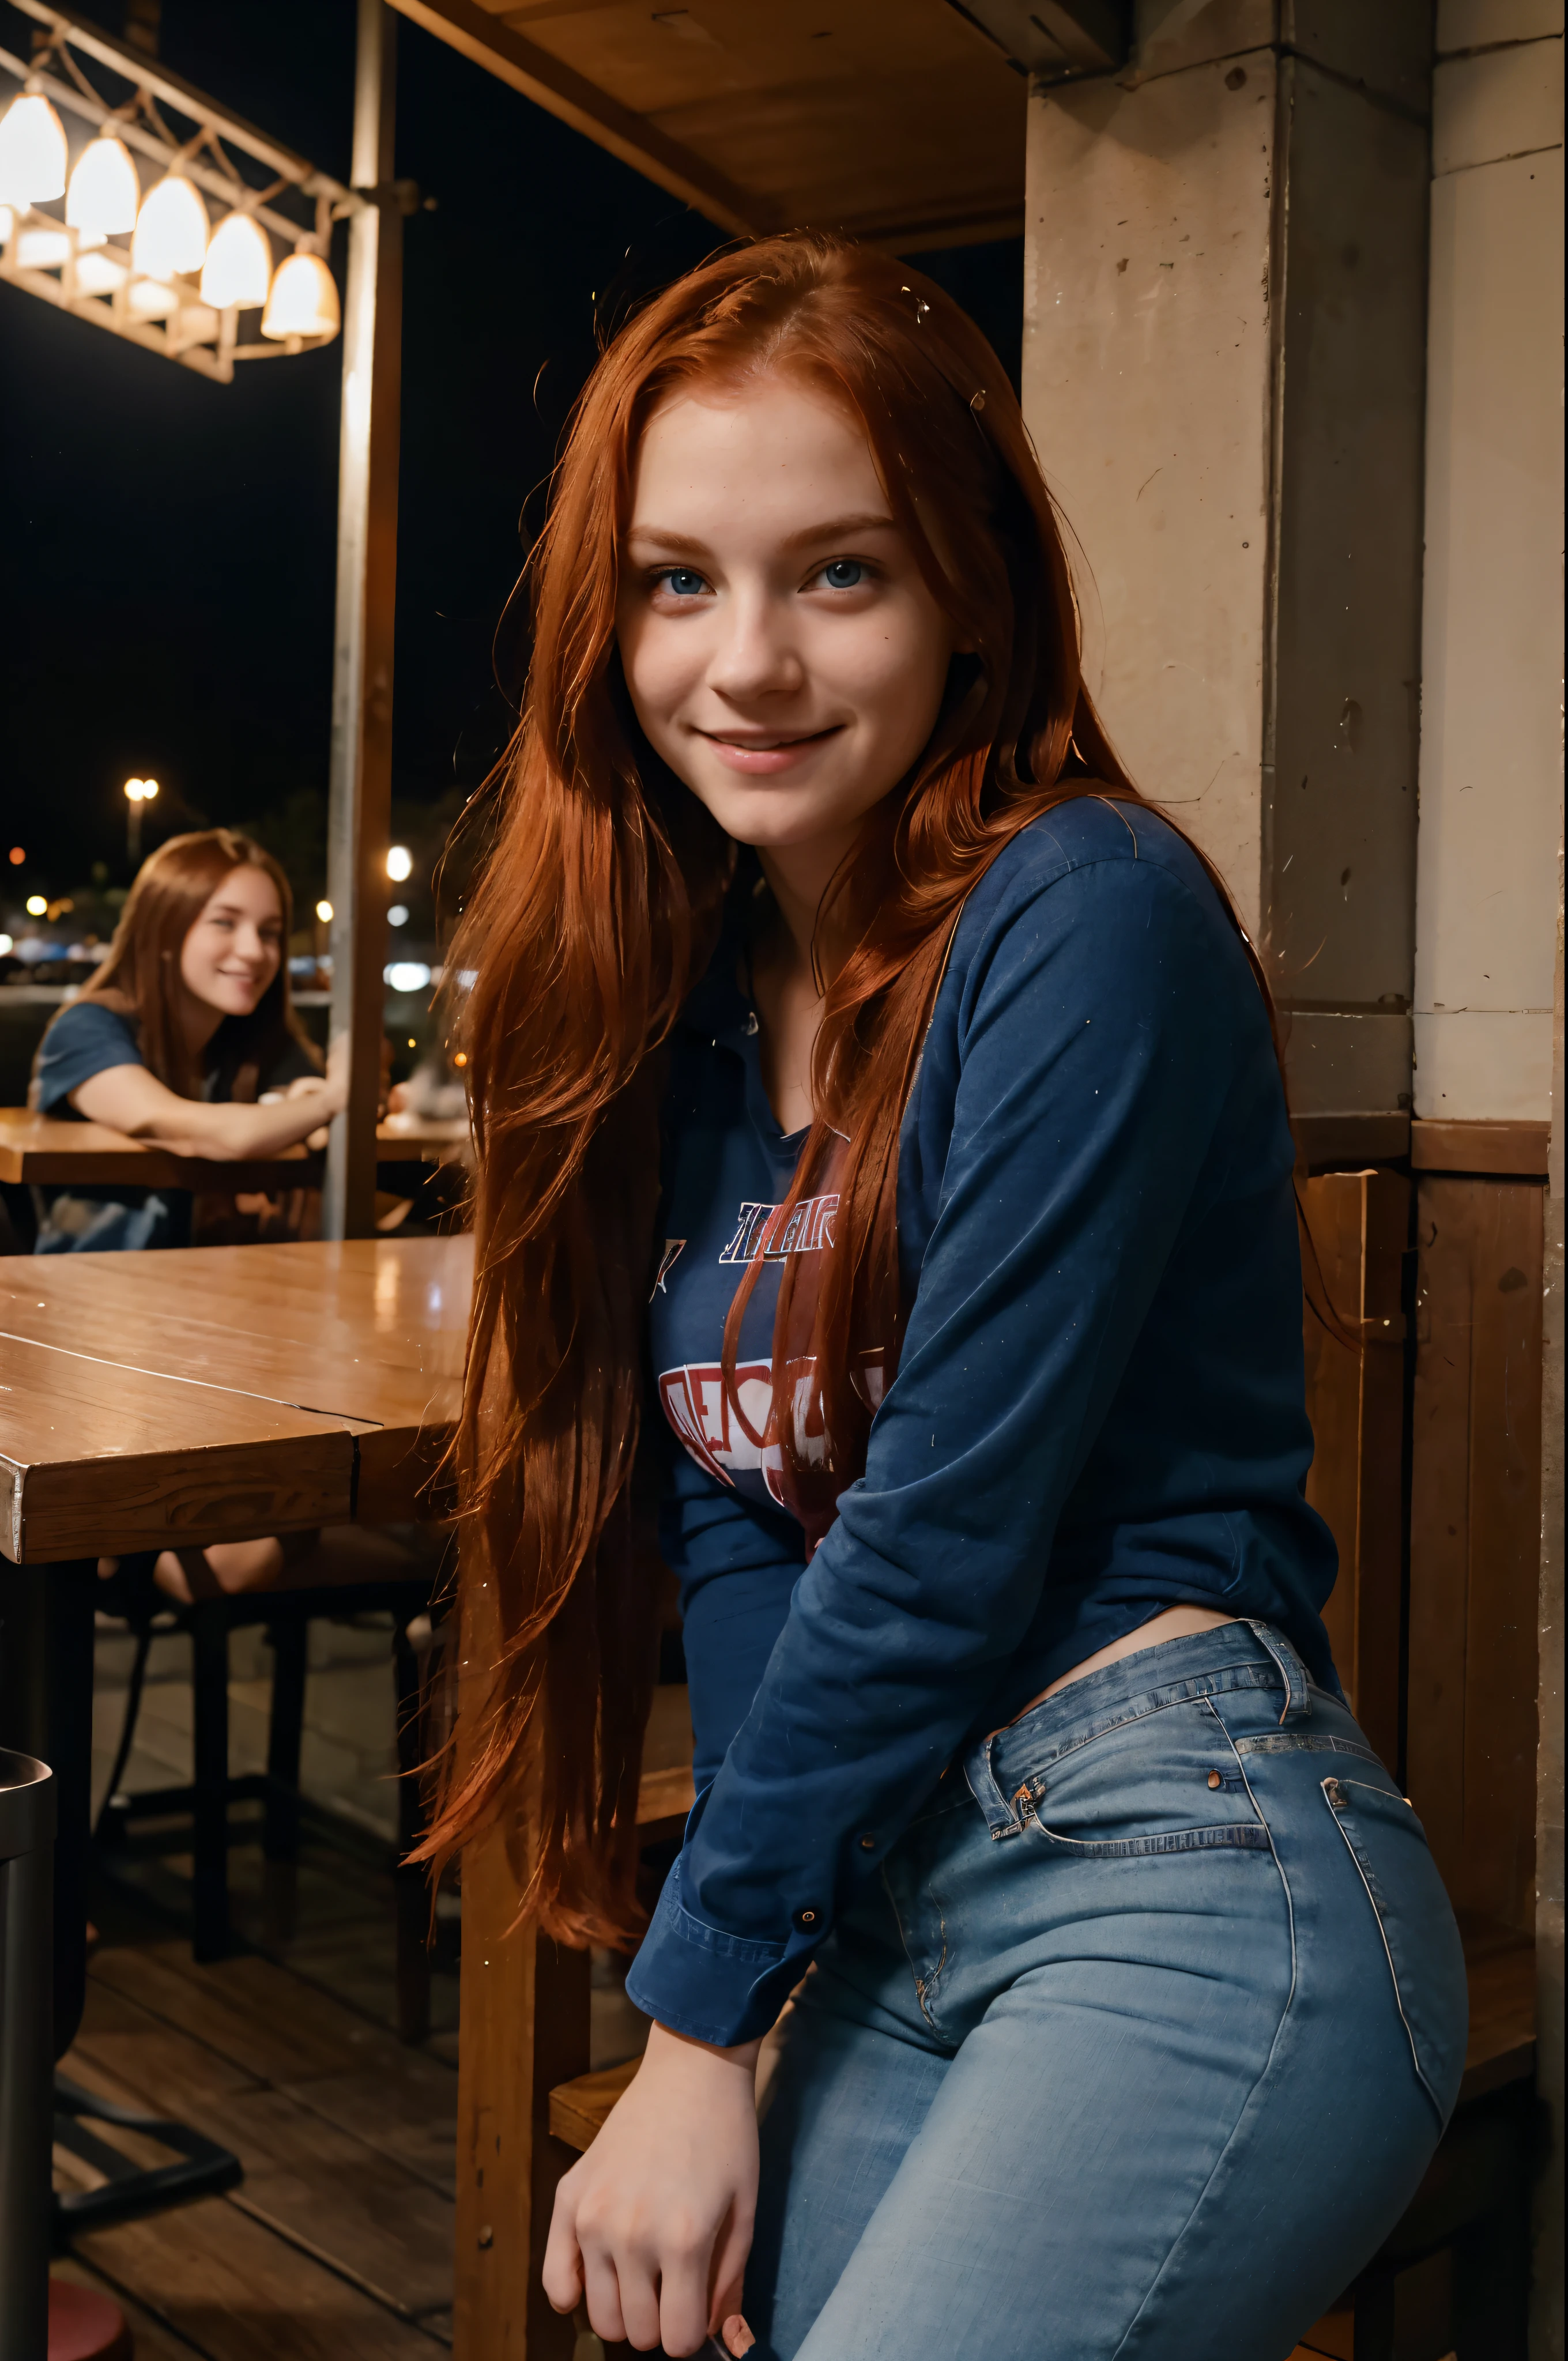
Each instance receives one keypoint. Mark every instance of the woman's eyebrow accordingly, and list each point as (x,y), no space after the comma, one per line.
(830,529)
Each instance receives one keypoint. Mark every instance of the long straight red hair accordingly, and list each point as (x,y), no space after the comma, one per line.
(596,911)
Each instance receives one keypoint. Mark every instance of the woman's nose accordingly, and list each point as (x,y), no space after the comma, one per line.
(756,655)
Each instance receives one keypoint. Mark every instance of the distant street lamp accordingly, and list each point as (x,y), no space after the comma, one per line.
(139,792)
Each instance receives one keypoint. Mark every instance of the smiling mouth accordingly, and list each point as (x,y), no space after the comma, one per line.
(745,744)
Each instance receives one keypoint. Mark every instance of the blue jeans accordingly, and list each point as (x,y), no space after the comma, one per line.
(1140,2047)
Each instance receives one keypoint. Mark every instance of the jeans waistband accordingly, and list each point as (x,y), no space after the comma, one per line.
(1243,1655)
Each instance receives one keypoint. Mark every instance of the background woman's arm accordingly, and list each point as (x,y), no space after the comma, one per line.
(129,1099)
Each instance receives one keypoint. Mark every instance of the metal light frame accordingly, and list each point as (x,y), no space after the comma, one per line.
(194,334)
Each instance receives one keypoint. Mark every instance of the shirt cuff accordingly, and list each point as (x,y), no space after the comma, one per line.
(715,1987)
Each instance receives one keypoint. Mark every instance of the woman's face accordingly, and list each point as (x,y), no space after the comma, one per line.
(781,649)
(234,950)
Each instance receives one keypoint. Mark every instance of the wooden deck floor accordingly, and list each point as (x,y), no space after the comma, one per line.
(337,2244)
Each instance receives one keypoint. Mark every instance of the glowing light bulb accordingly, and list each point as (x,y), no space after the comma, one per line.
(36,906)
(105,191)
(303,301)
(238,269)
(149,789)
(324,912)
(172,229)
(43,249)
(400,862)
(32,152)
(135,788)
(149,298)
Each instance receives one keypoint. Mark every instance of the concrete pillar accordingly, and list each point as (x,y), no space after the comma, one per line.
(1491,768)
(1224,371)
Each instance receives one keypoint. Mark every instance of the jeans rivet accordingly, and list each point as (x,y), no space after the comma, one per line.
(1214,1780)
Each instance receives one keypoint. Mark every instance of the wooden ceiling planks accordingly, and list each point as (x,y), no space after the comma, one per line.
(898,120)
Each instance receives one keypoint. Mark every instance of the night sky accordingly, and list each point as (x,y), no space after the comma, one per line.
(166,589)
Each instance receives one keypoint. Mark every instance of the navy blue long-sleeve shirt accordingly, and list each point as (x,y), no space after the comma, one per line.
(1098,1410)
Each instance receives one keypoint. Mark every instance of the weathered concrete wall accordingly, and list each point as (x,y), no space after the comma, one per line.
(1223,370)
(1491,759)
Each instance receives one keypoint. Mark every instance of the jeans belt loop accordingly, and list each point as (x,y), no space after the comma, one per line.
(1000,1817)
(1297,1702)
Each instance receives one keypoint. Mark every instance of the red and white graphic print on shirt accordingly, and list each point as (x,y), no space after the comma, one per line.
(694,1397)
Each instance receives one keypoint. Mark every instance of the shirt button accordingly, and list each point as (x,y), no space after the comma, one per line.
(868,1842)
(805,1920)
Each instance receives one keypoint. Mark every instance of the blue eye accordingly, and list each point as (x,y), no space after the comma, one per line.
(682,581)
(843,574)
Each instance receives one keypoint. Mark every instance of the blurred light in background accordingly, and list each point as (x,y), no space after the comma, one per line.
(303,301)
(239,267)
(324,912)
(32,152)
(398,916)
(400,862)
(173,229)
(104,193)
(407,975)
(36,906)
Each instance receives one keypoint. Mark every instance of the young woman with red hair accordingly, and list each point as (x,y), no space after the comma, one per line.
(879,1116)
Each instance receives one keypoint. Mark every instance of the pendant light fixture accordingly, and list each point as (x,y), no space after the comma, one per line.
(304,300)
(103,194)
(239,267)
(172,229)
(32,151)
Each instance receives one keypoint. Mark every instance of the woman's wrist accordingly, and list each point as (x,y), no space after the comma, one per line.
(663,2039)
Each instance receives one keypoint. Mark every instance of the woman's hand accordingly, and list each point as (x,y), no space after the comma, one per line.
(654,2224)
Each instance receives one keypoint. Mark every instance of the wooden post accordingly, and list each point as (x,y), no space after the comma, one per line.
(360,809)
(1356,1399)
(524,2018)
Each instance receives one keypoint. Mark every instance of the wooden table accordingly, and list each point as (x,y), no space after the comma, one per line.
(56,1153)
(225,1391)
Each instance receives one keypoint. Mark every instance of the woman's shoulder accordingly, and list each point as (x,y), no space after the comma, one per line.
(1091,830)
(85,1039)
(1126,872)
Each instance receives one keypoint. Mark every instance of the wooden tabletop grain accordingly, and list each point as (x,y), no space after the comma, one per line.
(55,1152)
(224,1390)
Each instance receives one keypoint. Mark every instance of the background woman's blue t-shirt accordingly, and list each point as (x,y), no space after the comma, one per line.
(88,1038)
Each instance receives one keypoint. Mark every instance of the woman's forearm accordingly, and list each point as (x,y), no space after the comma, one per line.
(235,1134)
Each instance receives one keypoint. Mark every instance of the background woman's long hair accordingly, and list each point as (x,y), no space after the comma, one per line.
(139,976)
(598,910)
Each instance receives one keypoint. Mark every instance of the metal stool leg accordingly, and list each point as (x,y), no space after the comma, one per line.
(210,1680)
(280,1836)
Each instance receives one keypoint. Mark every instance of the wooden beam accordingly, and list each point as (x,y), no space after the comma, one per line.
(571,97)
(1506,1149)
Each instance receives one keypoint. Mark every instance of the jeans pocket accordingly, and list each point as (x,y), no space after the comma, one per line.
(1415,1918)
(1165,1782)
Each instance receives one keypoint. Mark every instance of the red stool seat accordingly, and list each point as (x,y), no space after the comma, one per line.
(84,2326)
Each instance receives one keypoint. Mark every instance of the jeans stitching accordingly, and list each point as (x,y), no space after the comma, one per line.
(921,1987)
(1382,1935)
(1123,1721)
(1263,2074)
